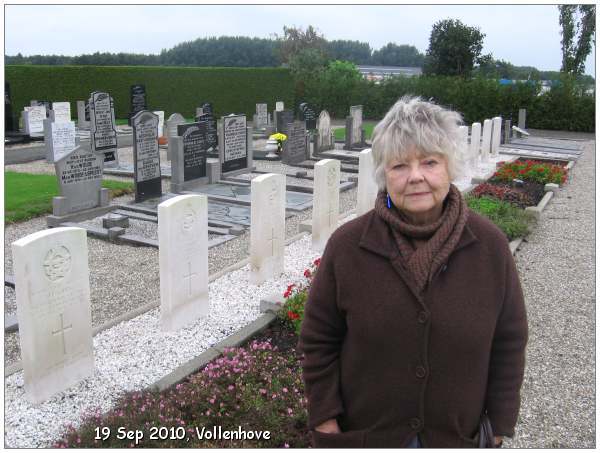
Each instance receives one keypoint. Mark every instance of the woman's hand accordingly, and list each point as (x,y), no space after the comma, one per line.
(329,427)
(497,441)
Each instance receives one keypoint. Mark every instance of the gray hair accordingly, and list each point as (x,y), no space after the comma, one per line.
(414,122)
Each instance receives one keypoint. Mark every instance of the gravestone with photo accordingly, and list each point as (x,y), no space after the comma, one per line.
(267,230)
(295,148)
(146,156)
(137,100)
(53,309)
(61,112)
(189,157)
(183,260)
(236,139)
(79,174)
(103,128)
(59,139)
(324,138)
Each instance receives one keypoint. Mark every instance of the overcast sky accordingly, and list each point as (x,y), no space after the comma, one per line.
(525,35)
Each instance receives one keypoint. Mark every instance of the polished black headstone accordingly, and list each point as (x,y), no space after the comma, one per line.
(137,99)
(195,149)
(308,115)
(284,118)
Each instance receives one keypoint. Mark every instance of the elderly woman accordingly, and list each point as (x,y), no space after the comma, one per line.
(415,328)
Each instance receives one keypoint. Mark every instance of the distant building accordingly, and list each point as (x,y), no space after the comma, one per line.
(378,73)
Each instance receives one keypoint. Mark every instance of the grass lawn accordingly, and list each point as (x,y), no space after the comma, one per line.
(27,195)
(340,134)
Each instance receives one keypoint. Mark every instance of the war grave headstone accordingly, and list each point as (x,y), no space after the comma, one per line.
(326,201)
(464,140)
(59,139)
(33,120)
(189,157)
(486,141)
(212,134)
(9,121)
(308,115)
(146,156)
(61,112)
(366,192)
(103,135)
(324,137)
(496,135)
(236,145)
(267,230)
(474,146)
(161,122)
(137,100)
(522,117)
(183,260)
(295,148)
(172,122)
(53,310)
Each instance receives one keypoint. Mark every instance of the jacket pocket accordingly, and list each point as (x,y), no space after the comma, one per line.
(346,439)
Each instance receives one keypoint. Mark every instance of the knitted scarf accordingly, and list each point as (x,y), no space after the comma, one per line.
(442,236)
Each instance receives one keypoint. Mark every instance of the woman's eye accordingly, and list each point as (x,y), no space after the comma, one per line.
(431,162)
(399,166)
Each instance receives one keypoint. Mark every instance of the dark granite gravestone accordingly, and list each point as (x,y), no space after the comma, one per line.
(103,135)
(284,117)
(9,121)
(137,98)
(212,134)
(195,149)
(235,143)
(308,115)
(146,156)
(207,108)
(294,148)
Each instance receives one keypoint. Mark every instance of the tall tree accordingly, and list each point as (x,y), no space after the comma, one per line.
(354,51)
(454,48)
(295,40)
(575,53)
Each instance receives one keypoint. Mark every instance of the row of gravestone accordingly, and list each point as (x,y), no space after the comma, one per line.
(52,274)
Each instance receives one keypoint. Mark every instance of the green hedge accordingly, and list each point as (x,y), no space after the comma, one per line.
(172,89)
(562,108)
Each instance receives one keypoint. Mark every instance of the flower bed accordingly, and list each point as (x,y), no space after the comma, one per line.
(511,219)
(529,170)
(529,194)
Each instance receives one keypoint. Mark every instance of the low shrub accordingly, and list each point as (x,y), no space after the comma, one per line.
(529,195)
(296,296)
(541,173)
(511,220)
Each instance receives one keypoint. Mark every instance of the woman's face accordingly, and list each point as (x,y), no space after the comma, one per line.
(418,184)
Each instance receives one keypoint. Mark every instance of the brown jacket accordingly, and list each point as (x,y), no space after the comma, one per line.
(389,364)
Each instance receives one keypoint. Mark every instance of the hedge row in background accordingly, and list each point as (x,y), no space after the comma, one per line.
(564,107)
(181,90)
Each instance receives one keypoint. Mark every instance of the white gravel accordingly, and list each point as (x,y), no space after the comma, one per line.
(135,354)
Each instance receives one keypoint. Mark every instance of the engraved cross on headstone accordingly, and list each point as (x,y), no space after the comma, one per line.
(332,221)
(272,241)
(189,276)
(62,331)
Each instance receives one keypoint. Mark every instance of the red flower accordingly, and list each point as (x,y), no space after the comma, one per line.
(522,172)
(292,315)
(307,273)
(540,170)
(289,288)
(317,261)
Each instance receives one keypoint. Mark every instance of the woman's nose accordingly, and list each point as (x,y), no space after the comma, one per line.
(415,174)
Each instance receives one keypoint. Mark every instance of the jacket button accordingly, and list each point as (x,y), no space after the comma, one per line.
(423,317)
(420,372)
(415,424)
(444,267)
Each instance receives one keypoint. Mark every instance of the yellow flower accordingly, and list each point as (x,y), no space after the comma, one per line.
(278,136)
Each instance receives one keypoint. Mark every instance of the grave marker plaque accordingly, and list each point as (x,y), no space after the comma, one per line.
(195,149)
(53,310)
(146,156)
(79,175)
(294,148)
(137,98)
(235,143)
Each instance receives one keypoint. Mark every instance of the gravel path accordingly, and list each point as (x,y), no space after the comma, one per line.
(557,268)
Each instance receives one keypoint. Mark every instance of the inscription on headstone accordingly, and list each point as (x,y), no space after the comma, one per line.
(212,134)
(195,149)
(59,139)
(103,126)
(137,98)
(61,112)
(146,156)
(235,143)
(79,175)
(308,115)
(284,118)
(294,148)
(261,115)
(33,119)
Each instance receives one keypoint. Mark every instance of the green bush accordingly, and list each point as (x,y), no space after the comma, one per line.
(511,220)
(172,89)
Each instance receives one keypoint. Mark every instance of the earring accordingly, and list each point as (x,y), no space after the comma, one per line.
(389,201)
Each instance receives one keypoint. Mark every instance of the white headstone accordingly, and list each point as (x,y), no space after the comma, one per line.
(61,112)
(172,122)
(183,260)
(367,187)
(326,201)
(267,227)
(262,116)
(59,139)
(475,145)
(33,120)
(486,141)
(53,309)
(325,139)
(356,112)
(279,106)
(496,134)
(464,140)
(161,122)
